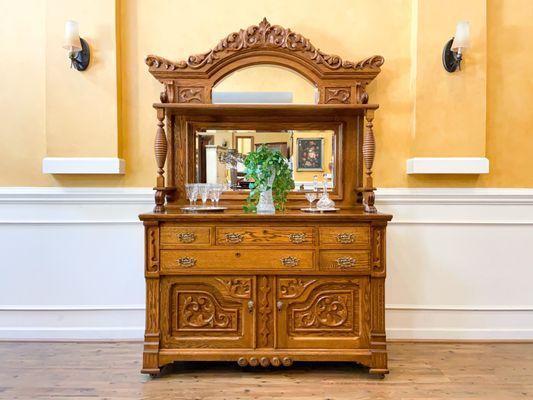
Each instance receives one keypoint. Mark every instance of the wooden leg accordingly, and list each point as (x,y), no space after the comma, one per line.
(378,339)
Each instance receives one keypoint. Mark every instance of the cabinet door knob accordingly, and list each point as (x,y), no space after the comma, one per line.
(251,306)
(345,238)
(290,261)
(279,305)
(186,262)
(298,237)
(234,237)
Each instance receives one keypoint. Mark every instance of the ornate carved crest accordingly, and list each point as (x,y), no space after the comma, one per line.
(264,35)
(265,43)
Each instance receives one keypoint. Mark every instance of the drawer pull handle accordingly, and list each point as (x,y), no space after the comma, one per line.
(186,262)
(345,238)
(297,238)
(279,305)
(290,261)
(251,306)
(345,262)
(186,237)
(234,237)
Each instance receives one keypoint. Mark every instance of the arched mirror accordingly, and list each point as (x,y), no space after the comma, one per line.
(265,84)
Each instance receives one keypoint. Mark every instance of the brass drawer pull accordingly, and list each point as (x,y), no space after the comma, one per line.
(345,238)
(186,262)
(345,262)
(297,238)
(290,261)
(186,237)
(234,237)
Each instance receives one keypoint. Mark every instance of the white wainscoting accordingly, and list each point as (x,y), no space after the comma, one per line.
(460,263)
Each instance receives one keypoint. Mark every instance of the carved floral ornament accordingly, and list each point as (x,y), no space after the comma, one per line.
(265,36)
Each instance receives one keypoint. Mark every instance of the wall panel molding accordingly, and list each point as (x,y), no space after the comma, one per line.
(448,249)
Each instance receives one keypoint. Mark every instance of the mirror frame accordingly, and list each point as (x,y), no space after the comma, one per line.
(336,127)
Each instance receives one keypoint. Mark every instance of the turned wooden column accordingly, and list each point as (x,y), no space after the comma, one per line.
(160,148)
(369,151)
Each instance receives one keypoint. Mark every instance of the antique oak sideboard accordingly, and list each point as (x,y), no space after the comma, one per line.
(265,289)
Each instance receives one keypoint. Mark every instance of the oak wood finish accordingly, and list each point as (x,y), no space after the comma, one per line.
(99,370)
(265,290)
(250,290)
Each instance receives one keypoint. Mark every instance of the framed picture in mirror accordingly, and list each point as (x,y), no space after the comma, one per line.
(279,146)
(310,154)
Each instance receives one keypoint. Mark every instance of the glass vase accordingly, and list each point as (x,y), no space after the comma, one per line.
(266,201)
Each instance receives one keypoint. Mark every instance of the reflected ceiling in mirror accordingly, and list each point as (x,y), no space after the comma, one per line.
(220,155)
(265,84)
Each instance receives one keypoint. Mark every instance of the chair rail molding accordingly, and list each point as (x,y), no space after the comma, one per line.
(40,228)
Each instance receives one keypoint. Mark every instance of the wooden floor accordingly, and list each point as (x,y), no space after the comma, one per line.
(418,371)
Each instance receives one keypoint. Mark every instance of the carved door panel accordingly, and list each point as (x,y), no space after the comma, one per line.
(207,312)
(323,312)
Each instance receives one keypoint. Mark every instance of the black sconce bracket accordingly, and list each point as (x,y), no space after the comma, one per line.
(80,60)
(451,59)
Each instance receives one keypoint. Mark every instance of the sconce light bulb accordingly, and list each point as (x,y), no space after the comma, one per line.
(461,39)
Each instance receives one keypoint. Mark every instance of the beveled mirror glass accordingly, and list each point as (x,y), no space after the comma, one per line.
(220,155)
(265,84)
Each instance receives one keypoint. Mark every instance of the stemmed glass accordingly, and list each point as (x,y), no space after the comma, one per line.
(203,189)
(215,192)
(311,197)
(192,192)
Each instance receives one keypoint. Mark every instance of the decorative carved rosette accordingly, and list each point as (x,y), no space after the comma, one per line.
(290,288)
(335,95)
(239,288)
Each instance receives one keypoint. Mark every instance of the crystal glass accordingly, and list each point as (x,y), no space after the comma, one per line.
(215,192)
(311,197)
(192,192)
(203,190)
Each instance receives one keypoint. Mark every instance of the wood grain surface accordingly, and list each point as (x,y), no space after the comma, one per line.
(417,371)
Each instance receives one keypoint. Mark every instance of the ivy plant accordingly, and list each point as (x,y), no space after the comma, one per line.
(259,167)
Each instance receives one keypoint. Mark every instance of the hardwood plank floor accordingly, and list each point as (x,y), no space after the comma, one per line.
(418,371)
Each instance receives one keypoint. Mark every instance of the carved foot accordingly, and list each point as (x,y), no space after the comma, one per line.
(378,372)
(153,372)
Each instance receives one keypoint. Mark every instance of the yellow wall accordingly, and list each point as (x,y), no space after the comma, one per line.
(424,111)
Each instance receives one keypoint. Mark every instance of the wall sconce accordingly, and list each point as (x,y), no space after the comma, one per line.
(453,50)
(78,49)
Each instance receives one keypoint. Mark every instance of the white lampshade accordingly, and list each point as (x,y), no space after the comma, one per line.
(72,37)
(462,36)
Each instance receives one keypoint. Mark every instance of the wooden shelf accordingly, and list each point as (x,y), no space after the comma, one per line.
(282,110)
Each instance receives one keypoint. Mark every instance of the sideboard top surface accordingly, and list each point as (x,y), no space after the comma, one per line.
(235,215)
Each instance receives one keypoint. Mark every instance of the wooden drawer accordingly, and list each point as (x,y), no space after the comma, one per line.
(339,260)
(264,235)
(228,260)
(348,236)
(185,235)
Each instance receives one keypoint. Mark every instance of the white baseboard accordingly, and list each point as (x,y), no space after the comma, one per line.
(458,263)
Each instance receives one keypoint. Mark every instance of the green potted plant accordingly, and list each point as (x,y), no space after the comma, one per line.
(270,181)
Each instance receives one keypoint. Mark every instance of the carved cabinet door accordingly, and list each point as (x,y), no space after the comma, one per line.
(323,312)
(207,311)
